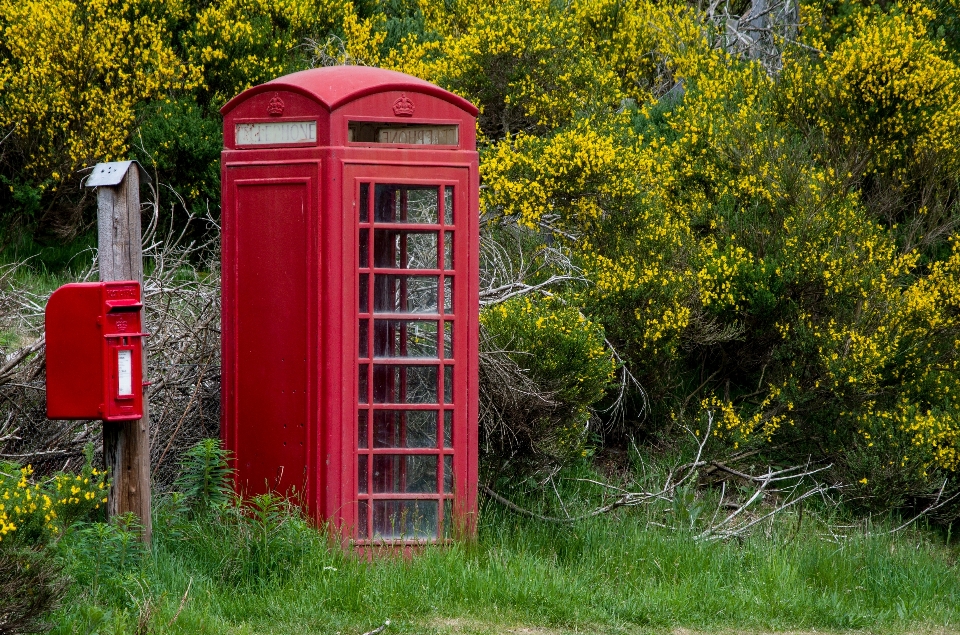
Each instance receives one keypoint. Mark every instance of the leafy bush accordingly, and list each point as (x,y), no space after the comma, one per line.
(32,513)
(564,355)
(204,481)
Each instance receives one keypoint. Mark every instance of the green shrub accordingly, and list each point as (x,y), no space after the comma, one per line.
(564,355)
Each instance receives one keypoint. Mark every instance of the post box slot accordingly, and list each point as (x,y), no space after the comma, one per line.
(403,134)
(123,307)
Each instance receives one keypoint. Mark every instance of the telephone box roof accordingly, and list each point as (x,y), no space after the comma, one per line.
(334,86)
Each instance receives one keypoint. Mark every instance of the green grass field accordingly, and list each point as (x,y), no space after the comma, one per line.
(269,572)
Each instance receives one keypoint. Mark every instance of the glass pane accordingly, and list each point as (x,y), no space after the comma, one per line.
(362,429)
(362,383)
(448,205)
(448,474)
(405,294)
(406,204)
(405,473)
(362,293)
(405,250)
(448,250)
(362,474)
(448,340)
(363,526)
(404,338)
(448,518)
(447,429)
(405,429)
(405,520)
(448,294)
(364,258)
(448,384)
(363,338)
(404,384)
(364,202)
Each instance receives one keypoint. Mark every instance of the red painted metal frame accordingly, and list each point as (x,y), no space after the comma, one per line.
(86,325)
(290,284)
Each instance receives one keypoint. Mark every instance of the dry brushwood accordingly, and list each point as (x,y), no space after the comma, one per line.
(182,313)
(798,485)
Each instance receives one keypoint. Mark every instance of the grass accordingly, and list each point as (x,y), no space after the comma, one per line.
(267,571)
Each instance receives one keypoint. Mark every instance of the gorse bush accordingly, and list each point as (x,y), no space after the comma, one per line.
(34,511)
(565,357)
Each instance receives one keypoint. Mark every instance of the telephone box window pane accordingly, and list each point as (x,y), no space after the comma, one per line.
(448,340)
(448,294)
(362,338)
(448,205)
(362,429)
(448,250)
(447,428)
(448,474)
(405,520)
(364,248)
(405,294)
(363,294)
(404,429)
(448,518)
(448,384)
(406,204)
(362,474)
(363,523)
(362,383)
(364,202)
(405,250)
(405,473)
(405,338)
(404,384)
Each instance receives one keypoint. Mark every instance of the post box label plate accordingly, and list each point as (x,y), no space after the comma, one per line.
(124,373)
(276,133)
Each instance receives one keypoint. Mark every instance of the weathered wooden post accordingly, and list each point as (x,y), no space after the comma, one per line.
(126,444)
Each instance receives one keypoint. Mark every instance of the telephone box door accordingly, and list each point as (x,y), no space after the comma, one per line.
(412,444)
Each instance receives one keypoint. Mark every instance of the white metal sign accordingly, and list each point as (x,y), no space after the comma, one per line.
(276,132)
(124,373)
(420,135)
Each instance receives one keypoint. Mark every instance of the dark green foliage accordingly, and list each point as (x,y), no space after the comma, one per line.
(204,480)
(31,585)
(182,144)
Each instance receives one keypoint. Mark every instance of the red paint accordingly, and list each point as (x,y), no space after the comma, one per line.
(89,327)
(295,335)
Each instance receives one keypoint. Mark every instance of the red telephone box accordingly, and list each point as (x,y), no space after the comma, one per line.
(350,300)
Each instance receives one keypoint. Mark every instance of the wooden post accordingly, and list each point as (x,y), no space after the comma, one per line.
(126,444)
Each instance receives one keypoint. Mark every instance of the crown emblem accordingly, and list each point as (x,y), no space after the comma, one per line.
(275,107)
(403,107)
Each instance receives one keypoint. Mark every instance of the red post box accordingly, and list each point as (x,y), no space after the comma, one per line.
(351,299)
(94,351)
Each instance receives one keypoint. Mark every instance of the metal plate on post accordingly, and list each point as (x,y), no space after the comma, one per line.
(112,173)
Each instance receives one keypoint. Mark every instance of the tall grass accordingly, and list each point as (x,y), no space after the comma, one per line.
(266,570)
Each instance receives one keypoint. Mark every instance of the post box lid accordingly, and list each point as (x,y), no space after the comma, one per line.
(334,86)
